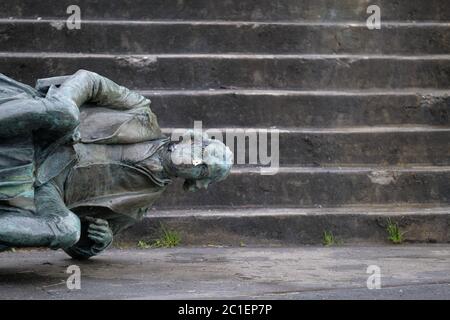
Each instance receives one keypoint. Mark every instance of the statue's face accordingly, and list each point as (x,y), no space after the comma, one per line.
(187,161)
(200,162)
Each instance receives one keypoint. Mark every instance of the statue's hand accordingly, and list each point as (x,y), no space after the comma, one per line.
(43,85)
(100,233)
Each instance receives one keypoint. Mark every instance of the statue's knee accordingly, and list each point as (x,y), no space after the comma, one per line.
(69,231)
(73,226)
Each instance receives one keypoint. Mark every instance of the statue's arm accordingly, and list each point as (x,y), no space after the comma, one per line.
(86,86)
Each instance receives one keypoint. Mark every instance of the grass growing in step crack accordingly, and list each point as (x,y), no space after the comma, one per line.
(395,235)
(328,238)
(168,239)
(143,244)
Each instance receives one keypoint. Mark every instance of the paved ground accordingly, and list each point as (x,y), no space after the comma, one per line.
(407,272)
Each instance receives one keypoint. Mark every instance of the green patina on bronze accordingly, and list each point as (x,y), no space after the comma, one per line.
(82,158)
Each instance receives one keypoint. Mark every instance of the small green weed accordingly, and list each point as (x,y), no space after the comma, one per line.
(328,238)
(395,235)
(168,239)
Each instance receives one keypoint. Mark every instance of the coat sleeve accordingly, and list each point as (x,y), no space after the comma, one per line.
(89,87)
(110,113)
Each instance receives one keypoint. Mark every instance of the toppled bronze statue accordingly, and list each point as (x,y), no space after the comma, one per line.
(82,158)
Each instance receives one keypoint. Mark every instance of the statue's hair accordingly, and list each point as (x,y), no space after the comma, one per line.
(219,159)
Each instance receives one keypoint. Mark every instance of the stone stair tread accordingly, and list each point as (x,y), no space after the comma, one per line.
(291,10)
(338,130)
(229,56)
(345,169)
(397,210)
(205,71)
(321,108)
(377,145)
(313,186)
(295,226)
(220,37)
(281,92)
(345,23)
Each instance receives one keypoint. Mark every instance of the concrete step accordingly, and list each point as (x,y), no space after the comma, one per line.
(204,71)
(313,187)
(284,226)
(355,146)
(323,10)
(265,109)
(150,37)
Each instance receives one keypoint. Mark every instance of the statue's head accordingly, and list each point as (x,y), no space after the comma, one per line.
(199,160)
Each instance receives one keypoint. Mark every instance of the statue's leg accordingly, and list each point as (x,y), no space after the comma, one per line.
(29,230)
(20,228)
(52,226)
